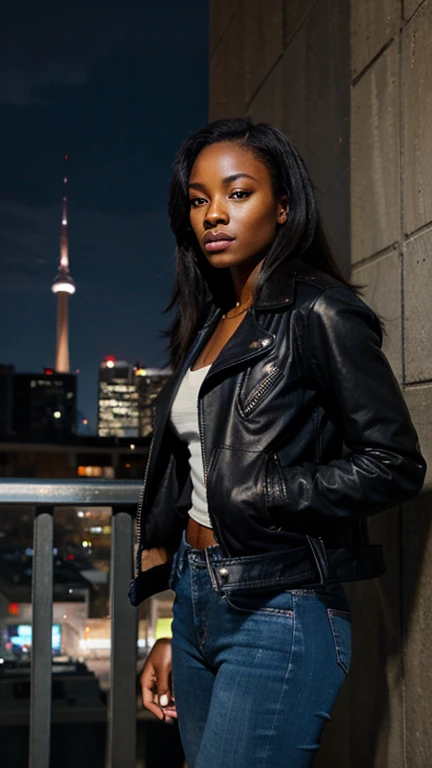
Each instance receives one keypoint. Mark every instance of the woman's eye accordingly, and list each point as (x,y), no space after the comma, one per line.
(240,194)
(195,201)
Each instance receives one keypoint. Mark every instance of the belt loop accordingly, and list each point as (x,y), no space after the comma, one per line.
(181,555)
(210,570)
(320,557)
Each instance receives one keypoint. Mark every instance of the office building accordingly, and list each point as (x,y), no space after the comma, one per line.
(117,399)
(37,406)
(125,397)
(149,382)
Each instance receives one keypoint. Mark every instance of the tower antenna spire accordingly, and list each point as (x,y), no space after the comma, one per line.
(64,286)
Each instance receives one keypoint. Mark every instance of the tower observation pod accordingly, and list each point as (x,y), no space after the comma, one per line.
(64,286)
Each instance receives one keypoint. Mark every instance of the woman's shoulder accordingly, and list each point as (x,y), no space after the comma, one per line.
(321,292)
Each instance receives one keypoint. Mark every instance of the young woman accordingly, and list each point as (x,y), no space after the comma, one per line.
(280,430)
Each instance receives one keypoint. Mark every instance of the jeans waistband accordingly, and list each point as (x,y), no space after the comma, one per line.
(312,566)
(264,571)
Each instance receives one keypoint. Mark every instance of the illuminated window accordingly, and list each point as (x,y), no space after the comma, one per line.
(92,471)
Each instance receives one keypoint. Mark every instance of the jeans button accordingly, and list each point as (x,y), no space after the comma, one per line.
(224,574)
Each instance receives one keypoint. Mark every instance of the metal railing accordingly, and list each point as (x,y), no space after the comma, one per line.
(44,496)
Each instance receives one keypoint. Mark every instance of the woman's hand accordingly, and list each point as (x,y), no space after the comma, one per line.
(155,681)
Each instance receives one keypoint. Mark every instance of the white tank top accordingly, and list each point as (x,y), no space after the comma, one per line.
(184,418)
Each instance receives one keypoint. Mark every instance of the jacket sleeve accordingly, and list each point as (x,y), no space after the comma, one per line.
(383,467)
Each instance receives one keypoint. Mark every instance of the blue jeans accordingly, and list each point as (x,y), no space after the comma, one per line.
(255,675)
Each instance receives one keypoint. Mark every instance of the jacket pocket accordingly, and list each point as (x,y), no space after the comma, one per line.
(250,398)
(340,624)
(236,483)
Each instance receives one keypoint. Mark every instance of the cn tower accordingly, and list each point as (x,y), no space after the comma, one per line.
(64,286)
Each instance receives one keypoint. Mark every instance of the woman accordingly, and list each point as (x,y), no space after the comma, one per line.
(281,429)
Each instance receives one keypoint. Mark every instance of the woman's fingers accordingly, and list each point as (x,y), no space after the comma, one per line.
(148,680)
(155,681)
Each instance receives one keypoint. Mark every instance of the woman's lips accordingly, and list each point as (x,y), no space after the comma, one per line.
(218,245)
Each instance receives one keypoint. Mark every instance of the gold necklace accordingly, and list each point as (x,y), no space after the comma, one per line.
(224,317)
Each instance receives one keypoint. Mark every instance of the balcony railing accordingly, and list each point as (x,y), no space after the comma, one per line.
(44,496)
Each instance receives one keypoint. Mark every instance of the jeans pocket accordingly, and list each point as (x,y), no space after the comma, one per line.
(340,624)
(262,603)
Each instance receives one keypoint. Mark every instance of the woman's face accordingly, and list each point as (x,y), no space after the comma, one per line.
(233,210)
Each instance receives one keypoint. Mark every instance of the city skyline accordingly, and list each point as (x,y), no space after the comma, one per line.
(119,95)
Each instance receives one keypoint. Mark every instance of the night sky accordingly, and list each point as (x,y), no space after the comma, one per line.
(118,85)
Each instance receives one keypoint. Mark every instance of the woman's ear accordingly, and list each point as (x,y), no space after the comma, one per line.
(282,209)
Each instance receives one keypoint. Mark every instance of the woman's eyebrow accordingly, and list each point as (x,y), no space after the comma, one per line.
(226,180)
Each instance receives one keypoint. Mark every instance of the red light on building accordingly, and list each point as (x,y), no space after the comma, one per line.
(14,609)
(70,557)
(48,371)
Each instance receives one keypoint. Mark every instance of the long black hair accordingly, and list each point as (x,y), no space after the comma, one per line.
(302,234)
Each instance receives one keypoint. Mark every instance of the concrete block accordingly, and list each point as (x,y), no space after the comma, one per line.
(316,108)
(417,599)
(375,678)
(227,71)
(417,111)
(373,24)
(221,13)
(419,402)
(267,105)
(382,279)
(263,41)
(417,320)
(410,7)
(375,197)
(295,12)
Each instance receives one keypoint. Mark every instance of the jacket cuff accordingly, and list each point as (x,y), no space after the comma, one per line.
(148,583)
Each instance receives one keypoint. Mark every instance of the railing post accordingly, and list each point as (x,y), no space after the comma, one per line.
(121,751)
(41,653)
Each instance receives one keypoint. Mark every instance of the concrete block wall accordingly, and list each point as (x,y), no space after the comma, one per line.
(391,220)
(270,60)
(350,82)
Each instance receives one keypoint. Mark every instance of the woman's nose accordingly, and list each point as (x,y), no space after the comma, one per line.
(216,213)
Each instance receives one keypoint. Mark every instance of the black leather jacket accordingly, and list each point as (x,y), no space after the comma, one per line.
(304,434)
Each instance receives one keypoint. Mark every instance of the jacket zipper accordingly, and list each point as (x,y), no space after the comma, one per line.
(140,506)
(262,389)
(206,470)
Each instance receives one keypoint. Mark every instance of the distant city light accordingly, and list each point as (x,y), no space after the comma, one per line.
(140,372)
(132,447)
(85,421)
(80,513)
(57,414)
(86,544)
